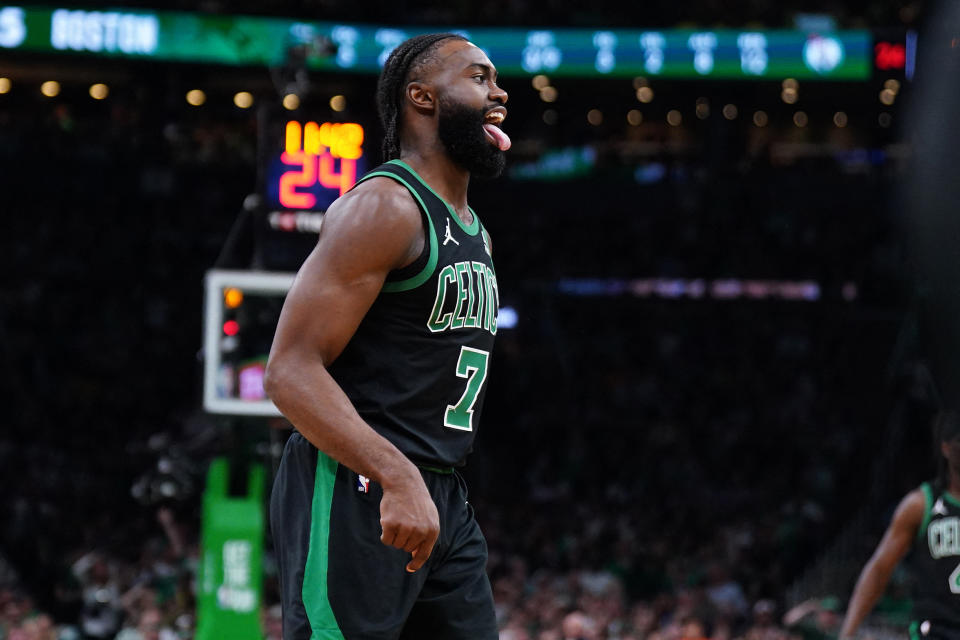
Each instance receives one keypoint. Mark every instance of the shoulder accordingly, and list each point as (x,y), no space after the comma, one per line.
(912,508)
(378,201)
(377,225)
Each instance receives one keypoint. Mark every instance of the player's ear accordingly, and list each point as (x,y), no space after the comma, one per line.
(422,96)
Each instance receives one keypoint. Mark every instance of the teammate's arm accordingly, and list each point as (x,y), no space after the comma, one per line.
(368,232)
(891,550)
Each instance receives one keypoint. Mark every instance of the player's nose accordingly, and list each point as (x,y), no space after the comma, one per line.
(498,95)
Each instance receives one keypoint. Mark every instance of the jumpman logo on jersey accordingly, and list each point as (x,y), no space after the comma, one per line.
(448,237)
(939,509)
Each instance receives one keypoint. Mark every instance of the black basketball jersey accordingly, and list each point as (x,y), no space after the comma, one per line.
(417,366)
(935,561)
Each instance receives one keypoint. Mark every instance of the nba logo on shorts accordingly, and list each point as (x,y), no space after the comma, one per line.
(363,484)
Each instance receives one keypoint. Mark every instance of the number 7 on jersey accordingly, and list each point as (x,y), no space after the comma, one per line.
(472,365)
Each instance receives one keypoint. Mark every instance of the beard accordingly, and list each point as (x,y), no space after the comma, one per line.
(460,129)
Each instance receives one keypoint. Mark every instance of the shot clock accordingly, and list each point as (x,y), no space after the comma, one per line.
(304,165)
(314,164)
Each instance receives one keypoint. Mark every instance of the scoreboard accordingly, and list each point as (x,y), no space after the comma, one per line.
(317,164)
(363,48)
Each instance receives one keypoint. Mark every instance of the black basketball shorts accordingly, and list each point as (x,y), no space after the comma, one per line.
(934,630)
(339,581)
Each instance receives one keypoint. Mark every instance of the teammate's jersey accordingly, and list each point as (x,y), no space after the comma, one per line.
(417,366)
(935,560)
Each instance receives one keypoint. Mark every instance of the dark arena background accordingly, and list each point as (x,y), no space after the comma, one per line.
(725,243)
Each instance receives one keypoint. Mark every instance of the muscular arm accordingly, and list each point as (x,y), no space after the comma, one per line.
(892,548)
(371,230)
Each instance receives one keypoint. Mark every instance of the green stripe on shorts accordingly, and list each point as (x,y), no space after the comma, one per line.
(444,470)
(914,629)
(315,600)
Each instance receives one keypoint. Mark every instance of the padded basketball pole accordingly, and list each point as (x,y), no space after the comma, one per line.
(230,576)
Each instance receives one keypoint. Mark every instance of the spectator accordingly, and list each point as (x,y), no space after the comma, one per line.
(764,626)
(149,626)
(815,619)
(577,626)
(725,593)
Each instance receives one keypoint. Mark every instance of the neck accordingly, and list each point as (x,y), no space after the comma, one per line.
(447,179)
(953,483)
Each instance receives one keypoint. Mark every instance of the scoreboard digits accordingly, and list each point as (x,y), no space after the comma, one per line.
(318,163)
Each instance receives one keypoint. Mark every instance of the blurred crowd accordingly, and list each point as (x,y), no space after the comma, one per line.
(98,593)
(101,595)
(679,488)
(672,487)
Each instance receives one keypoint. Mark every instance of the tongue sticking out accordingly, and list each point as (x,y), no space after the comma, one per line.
(500,139)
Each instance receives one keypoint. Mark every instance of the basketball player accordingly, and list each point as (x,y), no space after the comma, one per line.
(927,521)
(380,361)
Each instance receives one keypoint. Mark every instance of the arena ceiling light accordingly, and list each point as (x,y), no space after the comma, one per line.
(50,88)
(243,99)
(99,91)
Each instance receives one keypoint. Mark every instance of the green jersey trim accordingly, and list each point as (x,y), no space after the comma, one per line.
(471,228)
(487,242)
(423,276)
(914,630)
(927,507)
(949,497)
(314,593)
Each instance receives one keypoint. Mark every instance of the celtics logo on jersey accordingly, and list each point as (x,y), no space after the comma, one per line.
(467,298)
(943,536)
(943,539)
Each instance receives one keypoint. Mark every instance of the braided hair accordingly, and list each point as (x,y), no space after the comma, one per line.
(406,61)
